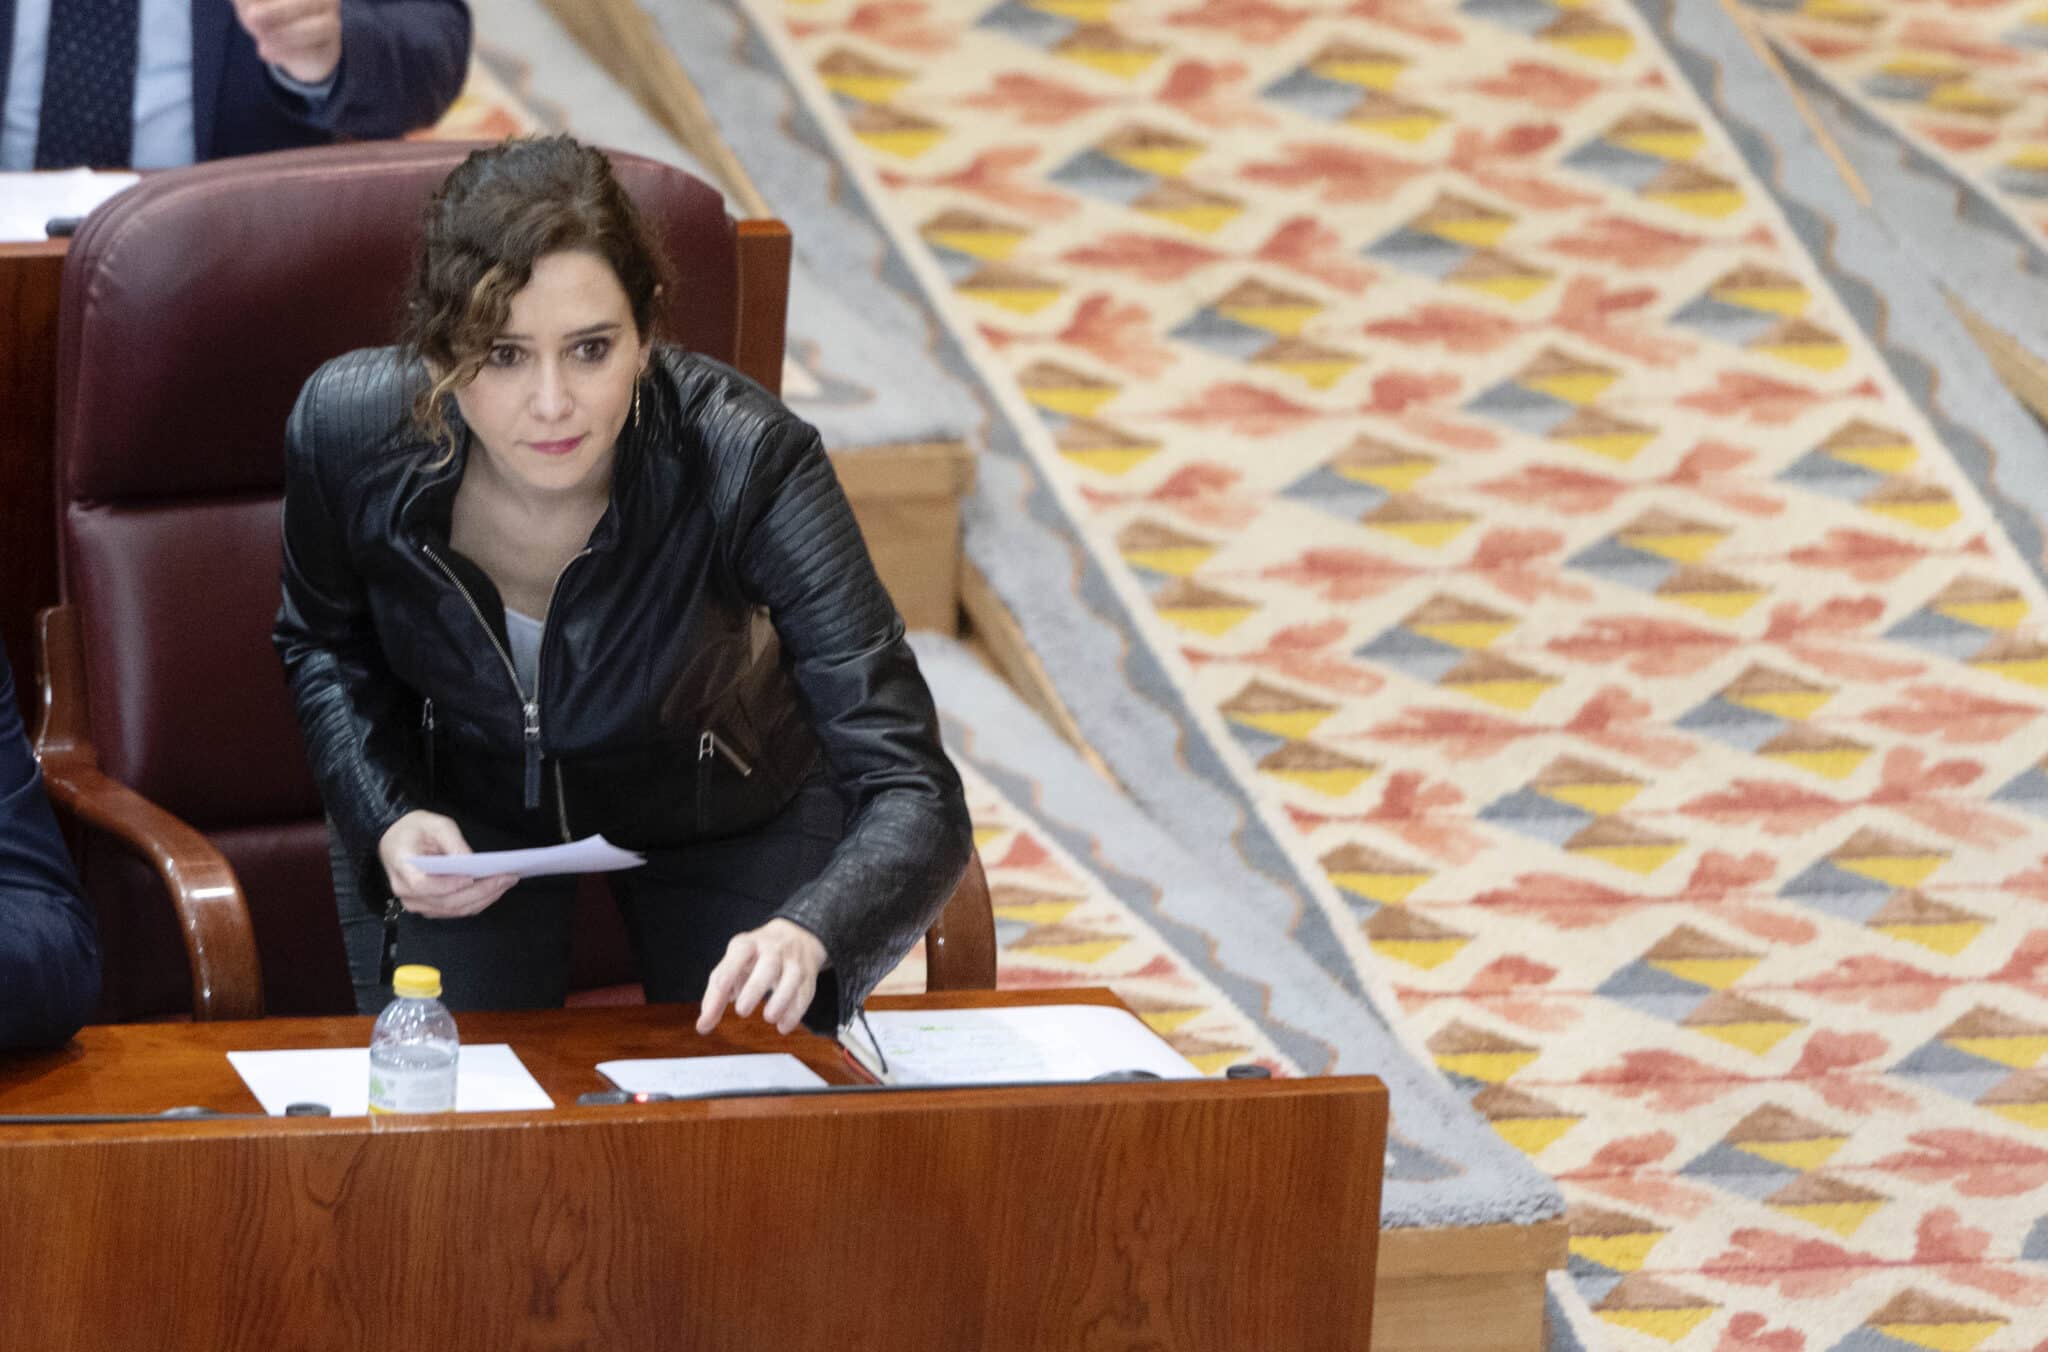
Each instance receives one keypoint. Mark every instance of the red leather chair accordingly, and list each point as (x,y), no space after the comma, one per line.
(193,307)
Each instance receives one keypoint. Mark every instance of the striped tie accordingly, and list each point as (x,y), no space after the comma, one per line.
(88,112)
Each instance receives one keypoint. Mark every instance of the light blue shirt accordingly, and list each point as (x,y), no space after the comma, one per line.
(163,85)
(523,633)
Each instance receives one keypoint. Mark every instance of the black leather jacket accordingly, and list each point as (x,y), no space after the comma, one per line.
(723,624)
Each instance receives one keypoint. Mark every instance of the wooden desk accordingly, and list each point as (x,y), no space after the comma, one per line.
(1185,1215)
(29,274)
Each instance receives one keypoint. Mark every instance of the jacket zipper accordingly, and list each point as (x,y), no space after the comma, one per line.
(529,706)
(427,732)
(561,803)
(710,744)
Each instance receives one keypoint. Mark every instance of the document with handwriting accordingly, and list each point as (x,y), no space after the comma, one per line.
(1006,1046)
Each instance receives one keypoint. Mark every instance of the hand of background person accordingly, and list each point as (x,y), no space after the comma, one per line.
(441,898)
(302,38)
(779,963)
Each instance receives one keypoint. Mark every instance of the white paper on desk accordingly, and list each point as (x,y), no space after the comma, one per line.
(489,1078)
(592,854)
(1003,1046)
(708,1076)
(29,202)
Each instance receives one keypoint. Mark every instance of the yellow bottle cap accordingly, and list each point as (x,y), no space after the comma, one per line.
(417,981)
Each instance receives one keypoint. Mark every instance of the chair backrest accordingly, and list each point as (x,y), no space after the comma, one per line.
(193,308)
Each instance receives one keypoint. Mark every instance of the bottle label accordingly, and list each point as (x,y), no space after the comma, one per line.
(394,1090)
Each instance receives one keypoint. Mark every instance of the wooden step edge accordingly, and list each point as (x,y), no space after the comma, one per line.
(623,39)
(2025,374)
(997,631)
(911,469)
(1469,1250)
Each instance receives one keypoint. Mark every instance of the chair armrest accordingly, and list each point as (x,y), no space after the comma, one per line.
(960,947)
(213,916)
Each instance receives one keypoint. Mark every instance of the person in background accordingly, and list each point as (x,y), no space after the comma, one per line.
(49,953)
(153,84)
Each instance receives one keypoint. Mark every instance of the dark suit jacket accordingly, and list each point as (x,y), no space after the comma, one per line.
(49,956)
(402,64)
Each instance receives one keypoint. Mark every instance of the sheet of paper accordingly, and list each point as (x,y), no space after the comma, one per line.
(1002,1046)
(489,1078)
(592,854)
(708,1076)
(28,202)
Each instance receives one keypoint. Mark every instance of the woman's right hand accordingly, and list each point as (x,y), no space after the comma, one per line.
(437,896)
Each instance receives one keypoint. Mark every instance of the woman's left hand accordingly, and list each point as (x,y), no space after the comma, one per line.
(779,963)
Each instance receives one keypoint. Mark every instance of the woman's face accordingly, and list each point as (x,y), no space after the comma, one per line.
(557,385)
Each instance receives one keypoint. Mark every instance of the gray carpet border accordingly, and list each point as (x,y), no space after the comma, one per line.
(1886,287)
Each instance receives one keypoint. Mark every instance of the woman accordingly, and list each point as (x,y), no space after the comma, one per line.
(545,578)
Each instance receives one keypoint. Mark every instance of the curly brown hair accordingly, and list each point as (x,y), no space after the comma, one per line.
(495,215)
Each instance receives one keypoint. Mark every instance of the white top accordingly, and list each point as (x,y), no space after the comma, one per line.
(523,633)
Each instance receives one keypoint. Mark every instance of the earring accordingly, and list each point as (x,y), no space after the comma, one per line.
(636,404)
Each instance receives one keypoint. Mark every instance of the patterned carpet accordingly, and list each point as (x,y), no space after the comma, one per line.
(1582,588)
(1090,891)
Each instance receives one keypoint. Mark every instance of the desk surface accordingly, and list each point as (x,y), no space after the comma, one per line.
(1190,1214)
(147,1067)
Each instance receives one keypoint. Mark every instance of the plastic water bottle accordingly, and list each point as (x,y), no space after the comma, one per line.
(413,1049)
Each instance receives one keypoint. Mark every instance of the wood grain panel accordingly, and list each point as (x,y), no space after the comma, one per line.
(29,277)
(1474,1250)
(911,1216)
(1500,1312)
(1186,1215)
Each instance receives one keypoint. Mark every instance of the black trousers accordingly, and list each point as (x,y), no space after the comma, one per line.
(681,909)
